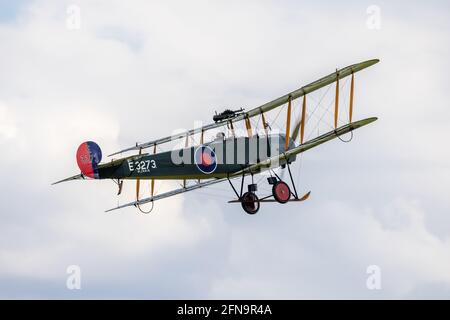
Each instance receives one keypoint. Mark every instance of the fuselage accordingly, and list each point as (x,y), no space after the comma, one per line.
(216,159)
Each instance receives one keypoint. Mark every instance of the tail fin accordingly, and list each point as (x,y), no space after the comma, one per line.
(89,156)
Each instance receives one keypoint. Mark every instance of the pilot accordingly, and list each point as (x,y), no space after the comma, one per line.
(220,136)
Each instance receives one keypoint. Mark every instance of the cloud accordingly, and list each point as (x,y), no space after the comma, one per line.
(138,72)
(327,251)
(8,128)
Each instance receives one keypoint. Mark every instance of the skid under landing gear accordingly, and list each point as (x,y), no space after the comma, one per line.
(281,193)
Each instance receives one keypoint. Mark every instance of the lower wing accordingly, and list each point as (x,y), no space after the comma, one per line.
(274,161)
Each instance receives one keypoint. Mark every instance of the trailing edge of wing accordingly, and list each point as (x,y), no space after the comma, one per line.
(318,84)
(274,161)
(169,194)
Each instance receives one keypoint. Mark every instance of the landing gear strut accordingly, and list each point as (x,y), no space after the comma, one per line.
(249,200)
(280,189)
(119,185)
(281,192)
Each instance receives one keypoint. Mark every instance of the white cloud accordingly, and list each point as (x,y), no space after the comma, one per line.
(138,72)
(327,250)
(8,129)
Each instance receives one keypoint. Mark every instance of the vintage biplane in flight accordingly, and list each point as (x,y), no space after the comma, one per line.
(226,157)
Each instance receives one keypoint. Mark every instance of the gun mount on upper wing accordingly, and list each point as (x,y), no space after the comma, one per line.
(227,114)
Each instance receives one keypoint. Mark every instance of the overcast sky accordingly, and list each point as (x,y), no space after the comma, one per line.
(134,71)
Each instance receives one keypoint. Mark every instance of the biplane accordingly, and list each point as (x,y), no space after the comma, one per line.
(228,156)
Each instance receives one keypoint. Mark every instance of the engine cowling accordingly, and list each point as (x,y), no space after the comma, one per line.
(89,156)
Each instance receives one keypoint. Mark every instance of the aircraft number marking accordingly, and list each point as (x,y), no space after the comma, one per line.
(142,166)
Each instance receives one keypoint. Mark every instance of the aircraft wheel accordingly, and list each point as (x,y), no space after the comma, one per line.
(281,192)
(250,203)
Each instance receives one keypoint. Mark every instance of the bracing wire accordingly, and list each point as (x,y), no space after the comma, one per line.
(326,111)
(346,141)
(146,212)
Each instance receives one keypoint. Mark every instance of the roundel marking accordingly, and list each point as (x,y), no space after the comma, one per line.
(88,157)
(205,159)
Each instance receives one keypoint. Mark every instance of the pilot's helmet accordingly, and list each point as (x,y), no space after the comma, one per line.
(220,136)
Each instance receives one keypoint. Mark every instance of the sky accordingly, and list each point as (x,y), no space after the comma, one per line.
(124,72)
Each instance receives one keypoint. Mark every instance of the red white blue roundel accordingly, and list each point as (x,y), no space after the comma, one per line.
(205,159)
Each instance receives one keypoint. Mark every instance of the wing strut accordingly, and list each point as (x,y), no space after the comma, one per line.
(138,187)
(302,128)
(152,190)
(288,123)
(202,138)
(186,144)
(265,124)
(336,102)
(138,182)
(248,125)
(232,128)
(352,87)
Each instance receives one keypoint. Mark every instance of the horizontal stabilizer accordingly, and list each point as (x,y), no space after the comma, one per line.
(77,177)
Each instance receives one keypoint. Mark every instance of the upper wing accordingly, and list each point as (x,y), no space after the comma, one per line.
(318,84)
(274,161)
(329,79)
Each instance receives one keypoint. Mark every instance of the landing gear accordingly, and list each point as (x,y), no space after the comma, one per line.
(250,203)
(119,185)
(281,192)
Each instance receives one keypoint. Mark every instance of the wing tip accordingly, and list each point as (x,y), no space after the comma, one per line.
(363,122)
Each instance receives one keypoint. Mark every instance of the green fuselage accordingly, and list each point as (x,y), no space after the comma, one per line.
(231,156)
